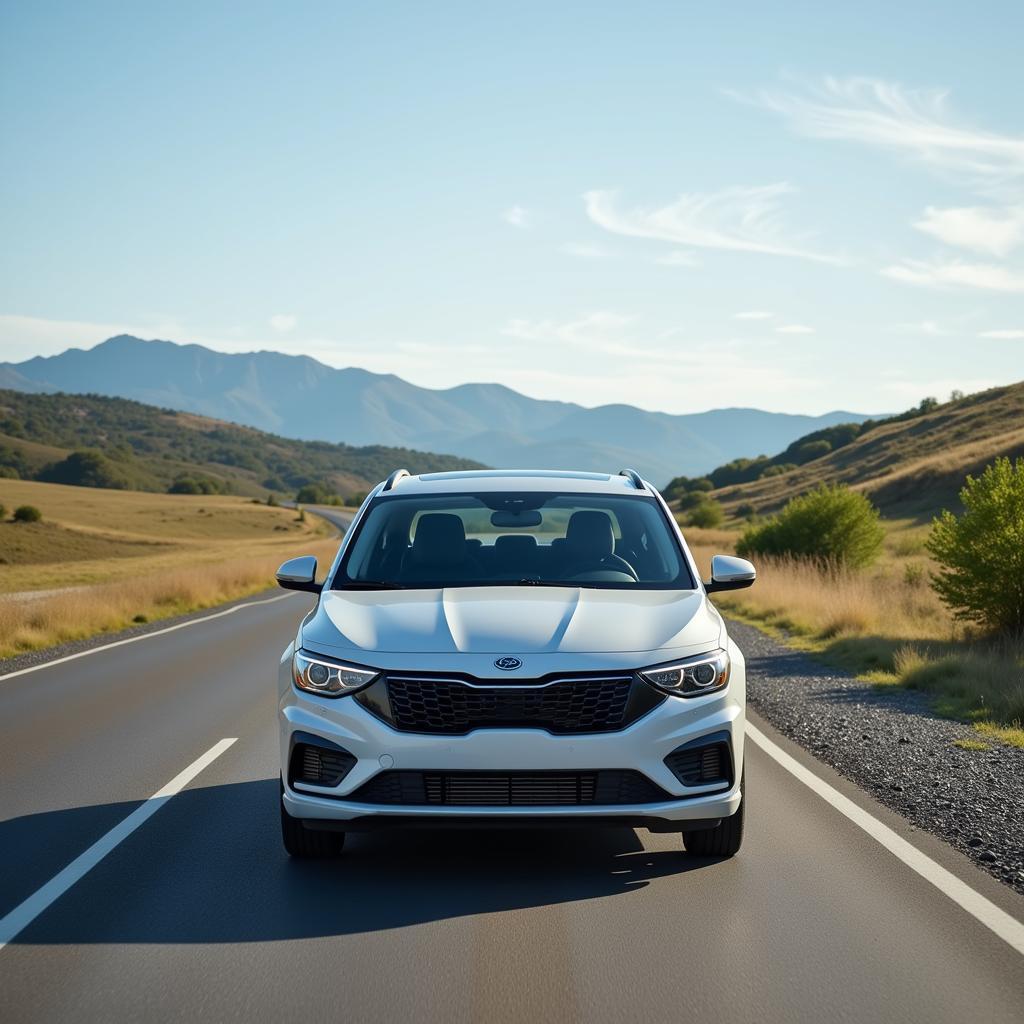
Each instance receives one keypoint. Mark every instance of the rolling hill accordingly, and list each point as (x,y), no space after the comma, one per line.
(911,465)
(148,449)
(296,396)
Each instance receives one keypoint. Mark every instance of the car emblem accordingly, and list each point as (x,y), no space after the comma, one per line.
(508,664)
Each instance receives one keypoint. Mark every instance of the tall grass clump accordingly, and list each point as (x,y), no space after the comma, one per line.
(830,524)
(981,553)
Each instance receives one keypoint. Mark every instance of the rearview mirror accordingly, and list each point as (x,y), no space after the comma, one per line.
(730,573)
(514,519)
(299,574)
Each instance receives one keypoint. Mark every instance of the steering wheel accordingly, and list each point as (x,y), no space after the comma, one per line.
(613,563)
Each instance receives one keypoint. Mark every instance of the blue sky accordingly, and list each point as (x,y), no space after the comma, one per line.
(795,206)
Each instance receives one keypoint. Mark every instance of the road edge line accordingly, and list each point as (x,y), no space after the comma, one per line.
(142,636)
(982,909)
(29,909)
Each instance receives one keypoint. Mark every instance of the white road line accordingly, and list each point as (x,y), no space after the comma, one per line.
(25,913)
(143,636)
(981,909)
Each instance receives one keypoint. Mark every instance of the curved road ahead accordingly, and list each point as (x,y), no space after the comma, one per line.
(199,915)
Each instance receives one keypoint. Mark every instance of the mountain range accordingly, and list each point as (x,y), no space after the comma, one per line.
(299,397)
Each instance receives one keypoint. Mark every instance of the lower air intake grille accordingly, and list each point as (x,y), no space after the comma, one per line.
(701,766)
(319,766)
(509,789)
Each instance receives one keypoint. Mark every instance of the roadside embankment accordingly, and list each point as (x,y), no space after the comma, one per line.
(934,771)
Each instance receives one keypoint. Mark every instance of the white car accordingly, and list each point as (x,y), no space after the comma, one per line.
(512,648)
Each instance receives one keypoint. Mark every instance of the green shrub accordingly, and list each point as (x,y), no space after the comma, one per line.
(707,515)
(3,512)
(746,510)
(981,553)
(272,500)
(690,499)
(778,469)
(27,514)
(313,494)
(196,485)
(85,468)
(833,523)
(811,450)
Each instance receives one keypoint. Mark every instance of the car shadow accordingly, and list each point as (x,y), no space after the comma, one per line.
(209,868)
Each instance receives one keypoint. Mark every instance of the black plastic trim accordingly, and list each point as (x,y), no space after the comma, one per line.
(385,822)
(642,700)
(722,738)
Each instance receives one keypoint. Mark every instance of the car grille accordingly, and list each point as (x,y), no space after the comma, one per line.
(509,789)
(453,706)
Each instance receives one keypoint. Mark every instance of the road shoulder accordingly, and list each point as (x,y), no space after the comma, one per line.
(893,746)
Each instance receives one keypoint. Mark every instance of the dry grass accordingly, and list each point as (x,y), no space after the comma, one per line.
(910,467)
(108,607)
(972,744)
(828,602)
(886,624)
(90,536)
(135,557)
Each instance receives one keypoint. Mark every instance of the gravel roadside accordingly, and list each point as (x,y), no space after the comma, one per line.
(892,744)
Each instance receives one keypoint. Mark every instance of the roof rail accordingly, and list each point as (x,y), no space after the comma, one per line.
(394,478)
(634,478)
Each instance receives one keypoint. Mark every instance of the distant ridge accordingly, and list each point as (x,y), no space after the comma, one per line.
(150,449)
(299,397)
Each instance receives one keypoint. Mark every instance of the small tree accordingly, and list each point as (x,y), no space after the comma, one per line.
(85,468)
(981,553)
(707,515)
(830,523)
(27,514)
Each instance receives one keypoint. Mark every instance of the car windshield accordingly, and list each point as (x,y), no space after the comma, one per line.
(526,538)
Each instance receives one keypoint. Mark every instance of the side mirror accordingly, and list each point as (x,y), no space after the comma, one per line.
(299,574)
(730,573)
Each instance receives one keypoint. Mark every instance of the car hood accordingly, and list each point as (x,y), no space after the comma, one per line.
(510,621)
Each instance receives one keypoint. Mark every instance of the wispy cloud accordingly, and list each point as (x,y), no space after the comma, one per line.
(754,314)
(993,230)
(586,250)
(284,322)
(679,258)
(794,329)
(917,122)
(738,218)
(930,327)
(583,330)
(1004,334)
(518,217)
(957,274)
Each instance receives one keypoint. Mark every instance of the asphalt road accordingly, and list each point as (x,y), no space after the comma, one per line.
(199,914)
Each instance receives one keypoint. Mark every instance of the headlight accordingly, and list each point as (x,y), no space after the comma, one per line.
(690,677)
(317,674)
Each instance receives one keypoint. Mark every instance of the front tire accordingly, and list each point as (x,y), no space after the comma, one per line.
(307,844)
(722,841)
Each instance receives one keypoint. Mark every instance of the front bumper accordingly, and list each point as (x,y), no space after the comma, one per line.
(641,747)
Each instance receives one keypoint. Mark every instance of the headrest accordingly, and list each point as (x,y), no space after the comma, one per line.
(511,544)
(590,534)
(440,539)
